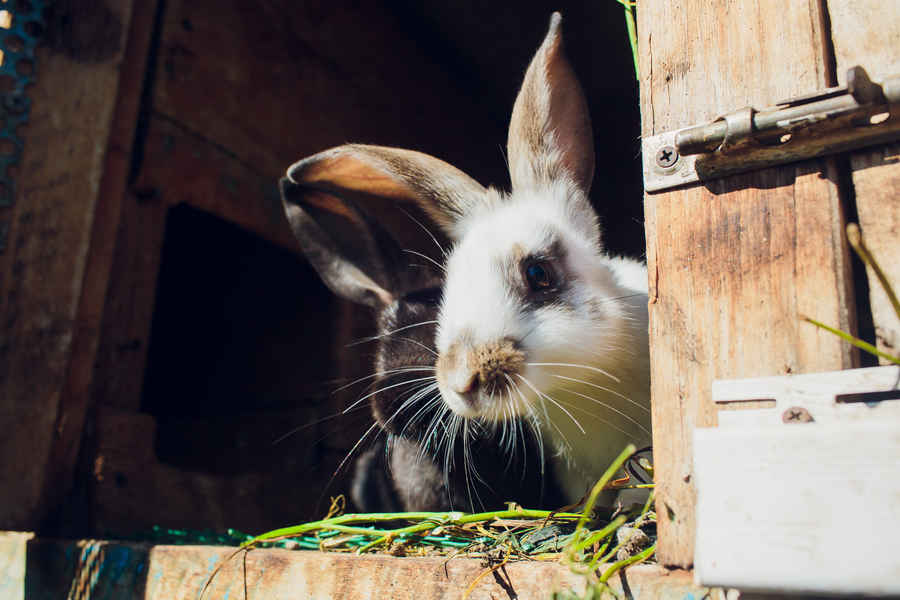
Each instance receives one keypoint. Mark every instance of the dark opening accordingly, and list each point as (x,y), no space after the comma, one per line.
(236,356)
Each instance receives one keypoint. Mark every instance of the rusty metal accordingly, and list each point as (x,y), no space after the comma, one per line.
(862,113)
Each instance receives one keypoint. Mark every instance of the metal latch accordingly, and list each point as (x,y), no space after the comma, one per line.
(862,113)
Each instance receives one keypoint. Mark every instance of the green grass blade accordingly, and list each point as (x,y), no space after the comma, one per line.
(862,345)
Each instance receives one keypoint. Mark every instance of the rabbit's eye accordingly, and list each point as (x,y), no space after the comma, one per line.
(539,275)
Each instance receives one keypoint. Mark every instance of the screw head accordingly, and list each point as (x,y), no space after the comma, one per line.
(796,414)
(666,156)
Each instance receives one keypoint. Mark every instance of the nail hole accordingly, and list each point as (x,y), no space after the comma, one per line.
(879,118)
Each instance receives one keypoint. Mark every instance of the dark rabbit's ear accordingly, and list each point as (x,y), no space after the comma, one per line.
(550,133)
(442,191)
(355,257)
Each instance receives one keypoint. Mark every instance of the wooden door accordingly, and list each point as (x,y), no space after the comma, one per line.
(733,263)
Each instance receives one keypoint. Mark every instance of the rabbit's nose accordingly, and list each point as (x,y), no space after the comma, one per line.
(467,386)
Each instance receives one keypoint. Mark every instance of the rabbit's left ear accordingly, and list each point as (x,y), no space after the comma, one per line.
(550,133)
(445,193)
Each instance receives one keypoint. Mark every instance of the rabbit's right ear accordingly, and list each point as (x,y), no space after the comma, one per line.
(351,253)
(445,193)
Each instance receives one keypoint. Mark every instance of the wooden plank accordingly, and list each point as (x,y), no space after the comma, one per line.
(132,490)
(120,570)
(866,33)
(12,564)
(296,81)
(733,264)
(799,509)
(177,167)
(52,274)
(836,396)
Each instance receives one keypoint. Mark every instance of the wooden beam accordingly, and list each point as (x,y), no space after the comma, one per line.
(53,272)
(38,568)
(866,34)
(290,82)
(733,264)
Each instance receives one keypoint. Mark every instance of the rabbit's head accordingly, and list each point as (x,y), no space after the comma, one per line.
(535,320)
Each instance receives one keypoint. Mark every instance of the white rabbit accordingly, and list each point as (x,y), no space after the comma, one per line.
(535,320)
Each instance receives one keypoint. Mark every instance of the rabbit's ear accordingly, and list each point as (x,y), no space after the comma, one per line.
(550,132)
(445,193)
(351,253)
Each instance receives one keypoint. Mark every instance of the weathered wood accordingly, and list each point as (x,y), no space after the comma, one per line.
(40,569)
(734,264)
(53,272)
(806,508)
(177,167)
(866,33)
(296,80)
(255,487)
(835,396)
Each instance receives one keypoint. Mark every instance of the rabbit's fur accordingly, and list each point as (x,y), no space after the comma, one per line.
(536,326)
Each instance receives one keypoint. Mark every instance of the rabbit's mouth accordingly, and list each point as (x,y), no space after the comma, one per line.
(476,380)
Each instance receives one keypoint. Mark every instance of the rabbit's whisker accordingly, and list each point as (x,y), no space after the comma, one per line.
(547,397)
(391,372)
(609,407)
(428,231)
(309,424)
(605,389)
(379,390)
(388,333)
(578,366)
(423,346)
(428,258)
(575,407)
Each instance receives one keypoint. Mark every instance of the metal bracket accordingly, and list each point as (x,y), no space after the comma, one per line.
(860,114)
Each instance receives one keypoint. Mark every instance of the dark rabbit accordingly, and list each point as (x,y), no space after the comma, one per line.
(418,461)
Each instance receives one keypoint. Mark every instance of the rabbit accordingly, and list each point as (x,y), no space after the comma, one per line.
(535,322)
(414,465)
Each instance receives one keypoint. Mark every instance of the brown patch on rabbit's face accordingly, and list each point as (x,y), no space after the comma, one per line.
(478,375)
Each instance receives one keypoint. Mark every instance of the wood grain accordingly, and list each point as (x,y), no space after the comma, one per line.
(732,265)
(866,33)
(296,79)
(121,570)
(177,167)
(53,273)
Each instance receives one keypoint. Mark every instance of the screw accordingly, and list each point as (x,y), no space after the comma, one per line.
(796,414)
(666,156)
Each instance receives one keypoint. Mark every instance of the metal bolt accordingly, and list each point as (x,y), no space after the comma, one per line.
(796,414)
(666,156)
